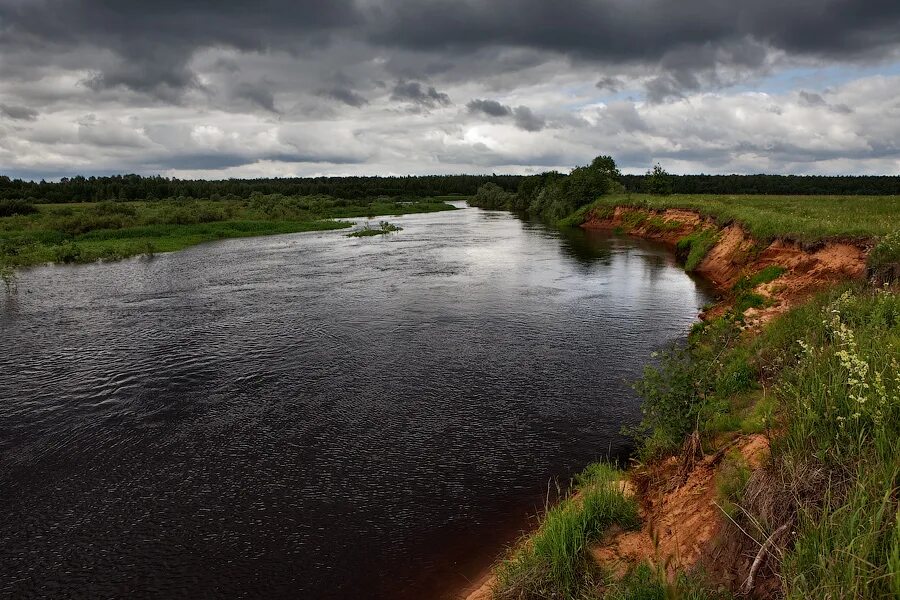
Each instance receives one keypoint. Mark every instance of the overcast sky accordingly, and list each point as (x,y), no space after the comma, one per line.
(195,88)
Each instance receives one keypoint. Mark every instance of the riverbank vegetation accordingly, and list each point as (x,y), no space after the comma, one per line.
(73,233)
(822,511)
(824,381)
(783,430)
(554,562)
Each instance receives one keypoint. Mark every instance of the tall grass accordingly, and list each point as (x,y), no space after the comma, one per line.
(842,401)
(645,582)
(832,371)
(554,562)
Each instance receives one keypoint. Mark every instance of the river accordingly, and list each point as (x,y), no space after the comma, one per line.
(316,416)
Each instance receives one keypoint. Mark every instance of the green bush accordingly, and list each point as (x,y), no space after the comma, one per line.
(69,252)
(492,196)
(9,208)
(884,260)
(690,387)
(657,181)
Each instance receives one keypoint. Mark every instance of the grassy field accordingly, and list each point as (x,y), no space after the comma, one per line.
(800,218)
(71,233)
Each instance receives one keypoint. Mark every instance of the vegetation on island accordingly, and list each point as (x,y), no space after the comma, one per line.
(75,233)
(384,227)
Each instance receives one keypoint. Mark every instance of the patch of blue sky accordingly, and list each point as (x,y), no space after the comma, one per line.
(817,79)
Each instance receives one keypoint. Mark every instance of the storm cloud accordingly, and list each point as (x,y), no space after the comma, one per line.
(411,86)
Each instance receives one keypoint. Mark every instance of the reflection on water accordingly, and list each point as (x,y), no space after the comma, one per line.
(311,415)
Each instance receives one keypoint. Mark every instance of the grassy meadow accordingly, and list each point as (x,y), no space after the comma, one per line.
(804,219)
(85,232)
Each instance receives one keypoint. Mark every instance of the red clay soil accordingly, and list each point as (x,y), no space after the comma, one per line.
(679,514)
(681,522)
(736,255)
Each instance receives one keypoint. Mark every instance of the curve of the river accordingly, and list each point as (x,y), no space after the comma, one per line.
(311,415)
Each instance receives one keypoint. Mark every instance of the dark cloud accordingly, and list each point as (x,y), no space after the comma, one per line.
(153,42)
(625,30)
(258,95)
(345,95)
(612,84)
(21,113)
(522,116)
(816,100)
(811,98)
(213,73)
(491,108)
(527,120)
(415,92)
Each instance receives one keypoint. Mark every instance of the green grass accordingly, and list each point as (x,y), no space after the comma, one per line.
(694,247)
(554,563)
(730,481)
(88,232)
(644,582)
(824,379)
(766,275)
(802,218)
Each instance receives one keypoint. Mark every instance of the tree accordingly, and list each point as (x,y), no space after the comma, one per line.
(657,181)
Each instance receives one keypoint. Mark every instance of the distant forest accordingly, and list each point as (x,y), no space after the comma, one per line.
(136,187)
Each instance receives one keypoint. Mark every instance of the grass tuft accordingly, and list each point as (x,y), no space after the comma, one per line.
(554,561)
(694,247)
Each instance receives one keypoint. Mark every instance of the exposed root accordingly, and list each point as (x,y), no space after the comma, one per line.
(748,584)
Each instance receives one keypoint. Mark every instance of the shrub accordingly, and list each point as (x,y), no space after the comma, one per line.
(115,208)
(492,196)
(69,252)
(689,389)
(884,260)
(9,208)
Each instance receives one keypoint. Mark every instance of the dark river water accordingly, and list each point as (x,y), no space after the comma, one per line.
(311,415)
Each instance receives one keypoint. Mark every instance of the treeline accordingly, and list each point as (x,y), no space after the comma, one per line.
(136,187)
(788,185)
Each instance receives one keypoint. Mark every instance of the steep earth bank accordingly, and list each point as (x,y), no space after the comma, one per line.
(682,525)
